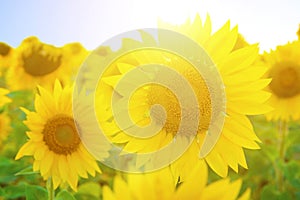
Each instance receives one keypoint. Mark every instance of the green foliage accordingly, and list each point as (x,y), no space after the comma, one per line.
(265,165)
(271,192)
(14,191)
(34,192)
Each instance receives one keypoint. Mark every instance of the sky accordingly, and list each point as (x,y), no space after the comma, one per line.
(91,22)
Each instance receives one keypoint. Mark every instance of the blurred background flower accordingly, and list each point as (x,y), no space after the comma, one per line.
(163,185)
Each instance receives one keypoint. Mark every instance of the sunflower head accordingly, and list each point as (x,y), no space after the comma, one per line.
(242,81)
(284,70)
(39,59)
(37,63)
(54,138)
(285,79)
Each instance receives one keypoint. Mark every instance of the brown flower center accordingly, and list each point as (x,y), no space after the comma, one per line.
(4,49)
(40,62)
(60,135)
(285,79)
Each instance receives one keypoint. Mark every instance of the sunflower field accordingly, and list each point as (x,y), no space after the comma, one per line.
(52,104)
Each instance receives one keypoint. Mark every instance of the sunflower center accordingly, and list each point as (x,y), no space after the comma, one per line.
(166,98)
(4,49)
(39,62)
(60,135)
(285,79)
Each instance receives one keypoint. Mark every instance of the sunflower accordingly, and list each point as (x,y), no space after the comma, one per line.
(36,63)
(163,185)
(284,69)
(245,95)
(54,140)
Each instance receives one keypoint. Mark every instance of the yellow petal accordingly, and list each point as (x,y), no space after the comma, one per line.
(216,162)
(108,194)
(225,37)
(238,60)
(245,195)
(233,190)
(234,137)
(46,162)
(63,167)
(26,150)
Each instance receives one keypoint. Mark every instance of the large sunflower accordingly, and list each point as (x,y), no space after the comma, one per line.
(54,140)
(244,96)
(163,185)
(37,63)
(284,69)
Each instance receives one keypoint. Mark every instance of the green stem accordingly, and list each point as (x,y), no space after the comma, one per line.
(282,131)
(50,189)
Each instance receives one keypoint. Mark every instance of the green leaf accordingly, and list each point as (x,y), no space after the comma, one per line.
(292,173)
(64,195)
(26,171)
(90,188)
(14,191)
(36,193)
(8,169)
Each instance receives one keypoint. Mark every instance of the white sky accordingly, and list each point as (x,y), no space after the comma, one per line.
(91,22)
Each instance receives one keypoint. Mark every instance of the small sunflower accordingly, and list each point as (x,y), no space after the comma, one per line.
(163,185)
(36,63)
(245,95)
(284,69)
(54,140)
